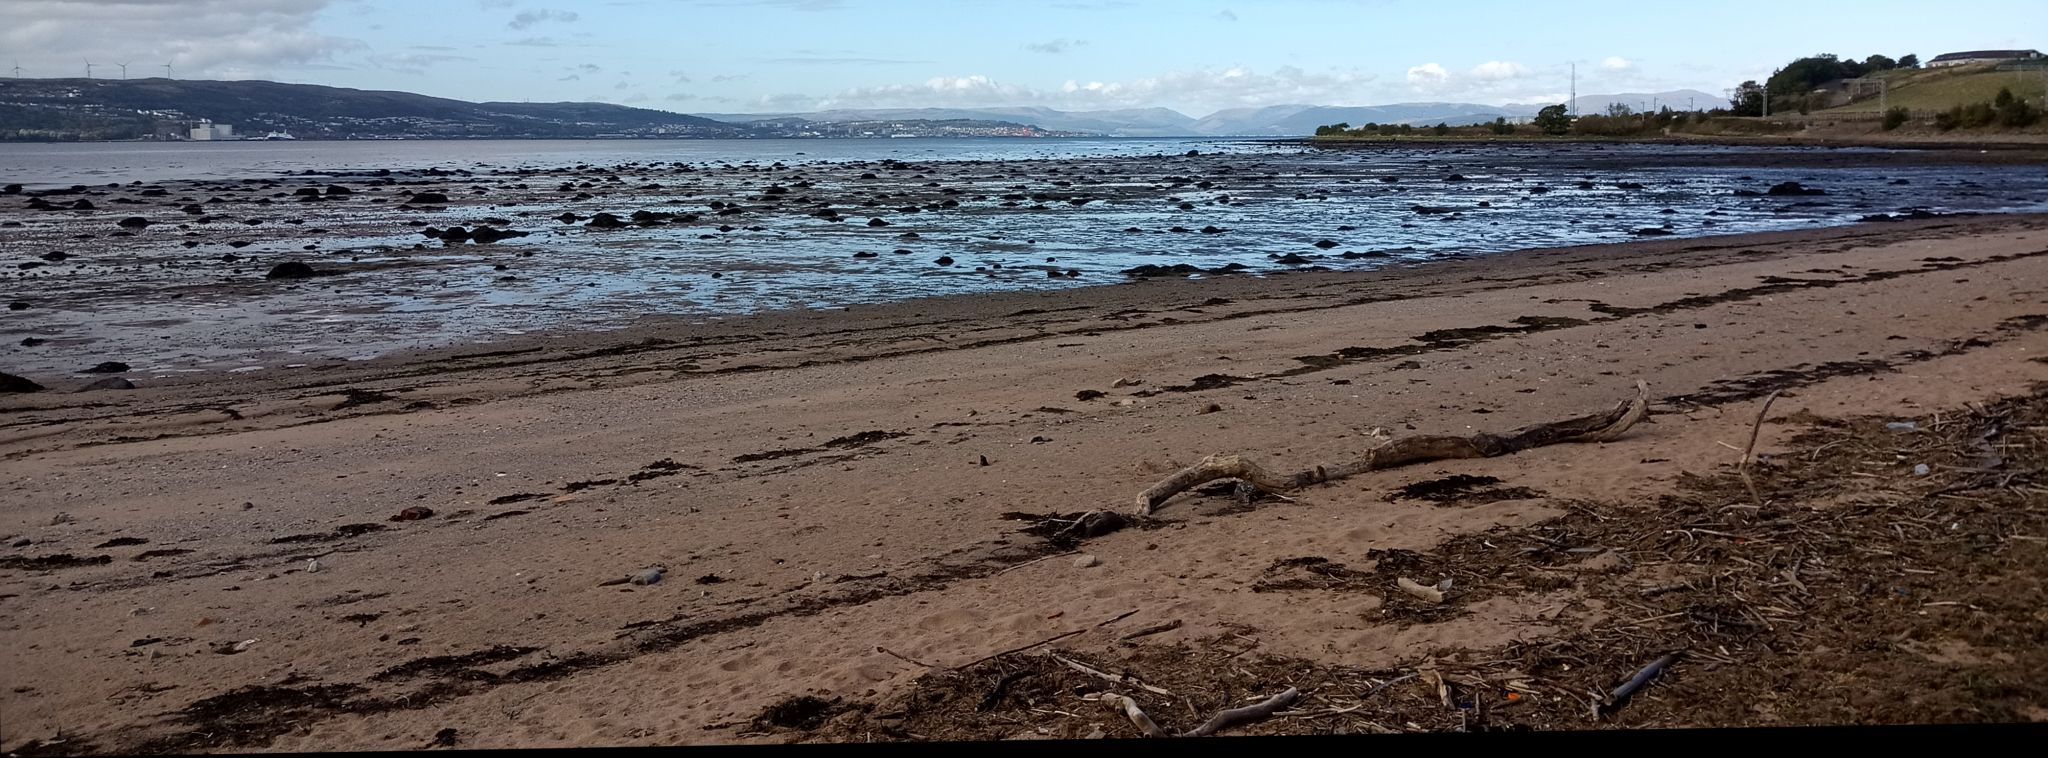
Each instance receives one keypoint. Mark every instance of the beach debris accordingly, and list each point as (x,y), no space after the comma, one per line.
(1420,591)
(1620,695)
(1901,426)
(313,566)
(1129,681)
(10,383)
(1602,427)
(1087,395)
(1151,630)
(1126,382)
(109,367)
(448,737)
(1247,715)
(1749,451)
(1921,469)
(231,648)
(1129,708)
(1086,561)
(413,513)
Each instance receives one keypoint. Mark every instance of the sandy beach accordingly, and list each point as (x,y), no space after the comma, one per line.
(849,509)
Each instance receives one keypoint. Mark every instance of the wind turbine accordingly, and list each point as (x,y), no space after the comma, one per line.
(167,71)
(88,69)
(124,70)
(17,69)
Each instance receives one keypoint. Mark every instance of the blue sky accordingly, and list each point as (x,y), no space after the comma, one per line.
(1195,56)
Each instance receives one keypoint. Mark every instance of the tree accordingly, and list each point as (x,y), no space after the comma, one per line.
(2004,99)
(1880,63)
(1441,129)
(1747,99)
(1909,60)
(1554,120)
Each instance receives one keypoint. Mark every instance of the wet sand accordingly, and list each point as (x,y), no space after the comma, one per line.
(827,492)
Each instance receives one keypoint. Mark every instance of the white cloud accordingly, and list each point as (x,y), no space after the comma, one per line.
(212,38)
(529,18)
(1617,63)
(1211,89)
(1497,71)
(1055,46)
(1428,76)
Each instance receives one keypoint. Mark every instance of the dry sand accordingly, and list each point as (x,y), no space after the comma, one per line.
(814,485)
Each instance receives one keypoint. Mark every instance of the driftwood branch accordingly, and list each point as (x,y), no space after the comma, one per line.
(1628,689)
(1601,427)
(1134,713)
(1246,715)
(1749,451)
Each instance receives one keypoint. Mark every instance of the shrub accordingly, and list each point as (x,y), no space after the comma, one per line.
(1896,117)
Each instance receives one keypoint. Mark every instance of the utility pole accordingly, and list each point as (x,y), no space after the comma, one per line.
(1767,98)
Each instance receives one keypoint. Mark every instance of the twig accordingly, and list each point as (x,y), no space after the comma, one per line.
(1118,678)
(1750,451)
(1009,569)
(902,657)
(1048,640)
(1151,630)
(1246,715)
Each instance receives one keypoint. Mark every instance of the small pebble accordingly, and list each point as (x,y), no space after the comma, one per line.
(1087,561)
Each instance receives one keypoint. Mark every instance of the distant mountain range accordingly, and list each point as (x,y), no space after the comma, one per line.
(1269,121)
(45,109)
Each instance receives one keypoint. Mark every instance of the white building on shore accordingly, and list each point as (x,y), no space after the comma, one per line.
(207,131)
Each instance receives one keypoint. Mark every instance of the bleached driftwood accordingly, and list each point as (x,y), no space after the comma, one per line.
(1246,715)
(1601,427)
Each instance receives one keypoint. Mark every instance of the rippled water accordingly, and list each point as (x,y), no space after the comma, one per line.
(151,301)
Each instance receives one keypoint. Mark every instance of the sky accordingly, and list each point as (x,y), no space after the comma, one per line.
(1195,56)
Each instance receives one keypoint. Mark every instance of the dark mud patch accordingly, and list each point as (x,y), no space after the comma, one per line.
(52,562)
(1463,488)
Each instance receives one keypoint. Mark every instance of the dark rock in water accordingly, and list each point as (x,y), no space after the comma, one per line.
(1187,206)
(32,341)
(1455,178)
(109,367)
(1055,274)
(1627,185)
(82,205)
(900,251)
(1585,185)
(488,234)
(1390,179)
(291,270)
(1652,231)
(11,189)
(1191,153)
(1213,230)
(308,192)
(133,222)
(1901,182)
(1325,244)
(29,265)
(875,222)
(568,218)
(17,306)
(1793,188)
(429,198)
(1748,193)
(944,260)
(11,384)
(1073,273)
(109,383)
(1178,269)
(193,209)
(1432,210)
(336,190)
(1293,259)
(866,254)
(1372,254)
(606,221)
(55,256)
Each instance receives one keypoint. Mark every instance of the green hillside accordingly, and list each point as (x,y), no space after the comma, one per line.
(1936,89)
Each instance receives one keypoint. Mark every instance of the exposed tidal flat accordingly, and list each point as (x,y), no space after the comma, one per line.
(205,258)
